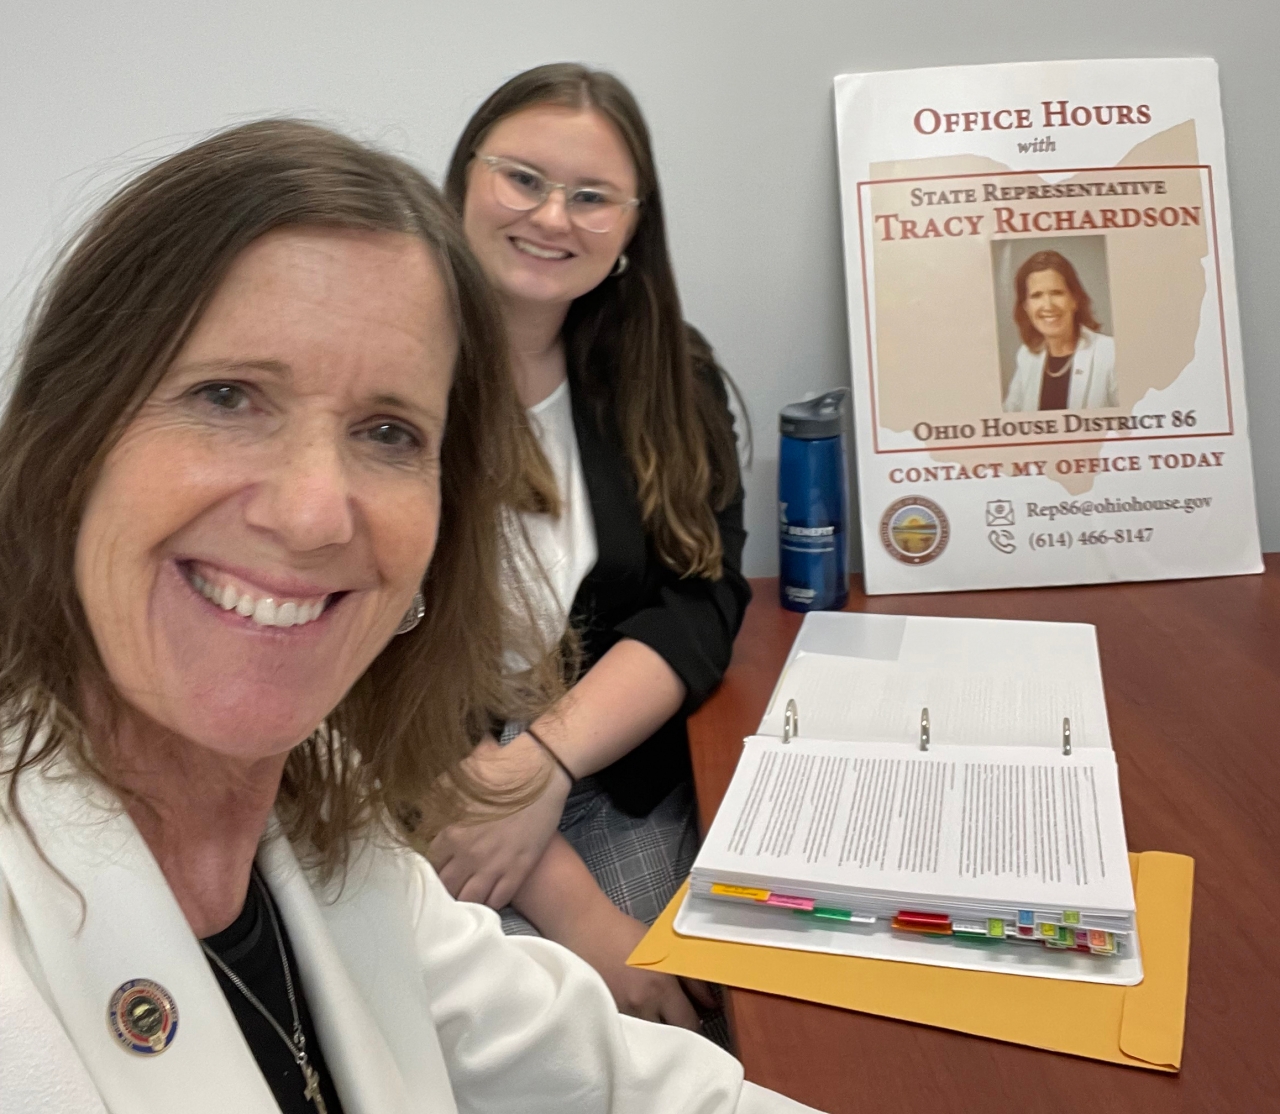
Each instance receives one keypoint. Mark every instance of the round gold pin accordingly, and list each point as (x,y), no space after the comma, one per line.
(143,1016)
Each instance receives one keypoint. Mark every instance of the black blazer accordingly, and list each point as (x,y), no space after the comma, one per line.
(629,593)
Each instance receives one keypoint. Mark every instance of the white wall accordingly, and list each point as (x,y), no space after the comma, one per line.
(737,92)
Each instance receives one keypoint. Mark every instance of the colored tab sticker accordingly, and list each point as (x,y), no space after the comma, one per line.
(1048,930)
(1071,916)
(1097,938)
(786,901)
(1026,930)
(925,929)
(739,891)
(832,914)
(1025,916)
(909,916)
(995,927)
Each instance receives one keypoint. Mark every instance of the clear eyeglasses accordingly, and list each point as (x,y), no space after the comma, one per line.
(522,189)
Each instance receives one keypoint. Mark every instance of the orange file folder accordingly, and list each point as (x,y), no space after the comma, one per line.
(1139,1026)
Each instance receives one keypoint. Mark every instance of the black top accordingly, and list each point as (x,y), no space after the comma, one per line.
(248,946)
(629,593)
(1055,381)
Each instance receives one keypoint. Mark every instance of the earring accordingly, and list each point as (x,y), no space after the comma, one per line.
(412,617)
(622,264)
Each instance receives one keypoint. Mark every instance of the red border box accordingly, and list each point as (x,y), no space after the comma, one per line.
(988,445)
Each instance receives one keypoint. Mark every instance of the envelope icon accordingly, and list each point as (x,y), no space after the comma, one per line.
(999,512)
(1138,1026)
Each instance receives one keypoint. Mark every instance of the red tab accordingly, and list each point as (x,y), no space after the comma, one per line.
(924,920)
(931,929)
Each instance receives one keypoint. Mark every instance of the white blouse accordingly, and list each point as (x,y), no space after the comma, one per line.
(556,552)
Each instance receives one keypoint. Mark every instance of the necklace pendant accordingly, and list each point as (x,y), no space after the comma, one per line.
(312,1089)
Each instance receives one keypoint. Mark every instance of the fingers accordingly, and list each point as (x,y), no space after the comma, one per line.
(454,875)
(505,889)
(477,889)
(655,997)
(701,992)
(675,1009)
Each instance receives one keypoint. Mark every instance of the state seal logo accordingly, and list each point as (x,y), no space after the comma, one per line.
(142,1016)
(914,530)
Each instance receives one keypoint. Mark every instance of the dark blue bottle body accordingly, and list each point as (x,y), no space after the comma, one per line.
(811,523)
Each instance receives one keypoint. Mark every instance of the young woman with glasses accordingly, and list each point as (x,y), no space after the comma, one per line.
(637,545)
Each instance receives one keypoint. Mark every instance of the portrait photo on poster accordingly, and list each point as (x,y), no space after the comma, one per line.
(1054,323)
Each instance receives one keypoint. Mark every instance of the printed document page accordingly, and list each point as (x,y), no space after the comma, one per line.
(1032,828)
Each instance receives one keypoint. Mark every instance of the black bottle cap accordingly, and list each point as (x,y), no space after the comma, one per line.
(816,417)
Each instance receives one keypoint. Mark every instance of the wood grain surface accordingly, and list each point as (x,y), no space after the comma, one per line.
(1192,677)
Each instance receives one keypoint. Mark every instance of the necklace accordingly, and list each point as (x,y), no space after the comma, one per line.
(1062,370)
(298,1042)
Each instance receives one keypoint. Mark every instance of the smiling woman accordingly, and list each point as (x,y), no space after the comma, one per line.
(1065,361)
(239,377)
(250,485)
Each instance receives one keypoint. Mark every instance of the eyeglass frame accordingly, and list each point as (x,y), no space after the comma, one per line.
(494,161)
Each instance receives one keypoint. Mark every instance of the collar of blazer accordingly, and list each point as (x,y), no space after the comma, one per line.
(133,928)
(1083,355)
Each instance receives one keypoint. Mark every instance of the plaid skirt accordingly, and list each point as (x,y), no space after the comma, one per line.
(638,861)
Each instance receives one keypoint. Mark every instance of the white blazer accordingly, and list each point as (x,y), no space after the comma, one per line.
(421,1004)
(1093,376)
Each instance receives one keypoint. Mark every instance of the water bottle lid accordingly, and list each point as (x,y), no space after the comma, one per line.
(816,417)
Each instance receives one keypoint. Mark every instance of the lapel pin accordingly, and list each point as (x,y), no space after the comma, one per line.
(142,1016)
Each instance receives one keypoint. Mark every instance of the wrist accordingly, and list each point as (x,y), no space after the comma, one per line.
(552,755)
(559,781)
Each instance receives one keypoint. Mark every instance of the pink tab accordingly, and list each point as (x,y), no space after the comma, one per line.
(787,902)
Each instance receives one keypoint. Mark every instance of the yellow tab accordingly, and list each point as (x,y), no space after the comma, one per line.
(739,891)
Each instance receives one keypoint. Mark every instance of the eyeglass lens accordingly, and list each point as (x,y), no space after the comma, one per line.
(521,189)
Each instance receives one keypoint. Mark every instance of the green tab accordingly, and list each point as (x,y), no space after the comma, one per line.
(995,927)
(1071,916)
(832,914)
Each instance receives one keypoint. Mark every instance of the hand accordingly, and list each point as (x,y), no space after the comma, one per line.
(486,861)
(604,938)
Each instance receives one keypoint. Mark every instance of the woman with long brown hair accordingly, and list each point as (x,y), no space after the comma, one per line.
(251,481)
(1065,361)
(640,540)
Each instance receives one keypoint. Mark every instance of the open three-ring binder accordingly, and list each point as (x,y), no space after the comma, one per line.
(938,791)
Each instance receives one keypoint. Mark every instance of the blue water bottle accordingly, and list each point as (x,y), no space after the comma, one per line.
(812,504)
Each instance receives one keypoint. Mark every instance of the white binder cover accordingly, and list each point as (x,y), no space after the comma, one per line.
(1046,359)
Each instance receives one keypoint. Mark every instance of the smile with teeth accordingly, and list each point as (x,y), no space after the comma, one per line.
(538,252)
(265,611)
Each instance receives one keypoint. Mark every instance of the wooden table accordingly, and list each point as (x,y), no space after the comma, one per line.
(1192,676)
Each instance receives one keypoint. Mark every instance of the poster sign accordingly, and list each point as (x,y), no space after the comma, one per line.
(1042,309)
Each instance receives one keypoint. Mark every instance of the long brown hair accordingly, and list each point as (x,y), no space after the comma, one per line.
(1050,261)
(626,340)
(110,319)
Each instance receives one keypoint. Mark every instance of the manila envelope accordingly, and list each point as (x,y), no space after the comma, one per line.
(1139,1026)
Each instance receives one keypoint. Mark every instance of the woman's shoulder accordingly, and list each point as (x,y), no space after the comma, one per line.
(1100,342)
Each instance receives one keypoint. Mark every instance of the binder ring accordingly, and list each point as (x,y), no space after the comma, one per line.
(790,722)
